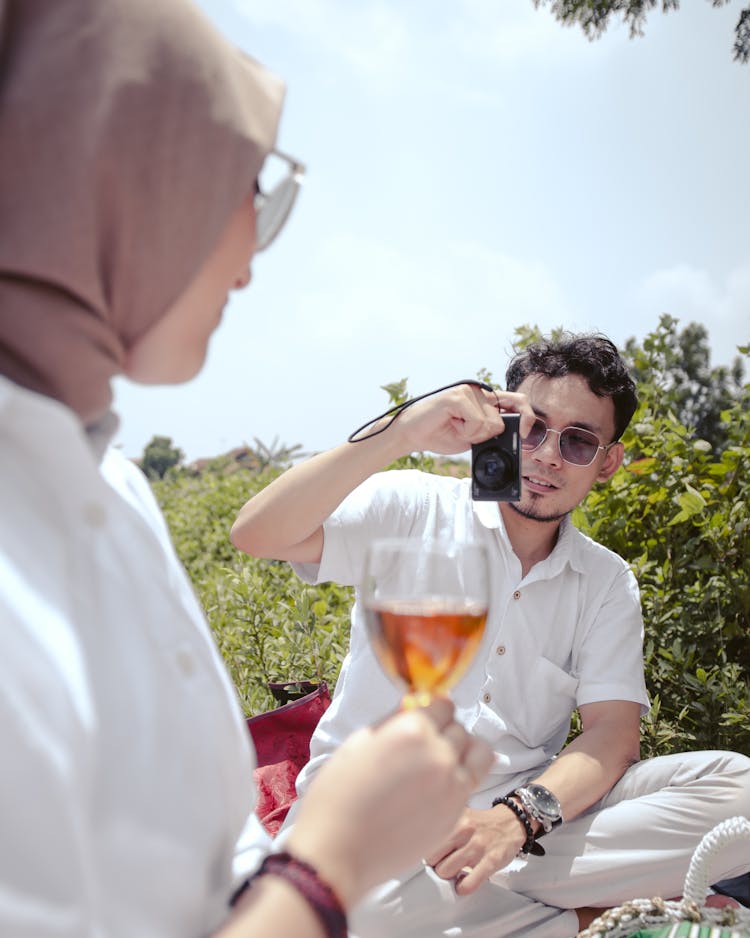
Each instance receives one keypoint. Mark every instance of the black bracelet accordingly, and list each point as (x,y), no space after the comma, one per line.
(523,817)
(304,877)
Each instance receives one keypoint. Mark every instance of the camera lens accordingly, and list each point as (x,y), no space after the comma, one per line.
(493,469)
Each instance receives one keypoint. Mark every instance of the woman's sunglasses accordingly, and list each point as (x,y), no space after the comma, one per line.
(272,207)
(577,446)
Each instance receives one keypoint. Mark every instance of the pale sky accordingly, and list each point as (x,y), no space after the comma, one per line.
(472,166)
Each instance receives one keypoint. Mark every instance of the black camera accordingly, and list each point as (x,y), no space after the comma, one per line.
(496,465)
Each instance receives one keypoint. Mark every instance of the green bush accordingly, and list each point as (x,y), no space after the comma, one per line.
(677,511)
(679,514)
(268,624)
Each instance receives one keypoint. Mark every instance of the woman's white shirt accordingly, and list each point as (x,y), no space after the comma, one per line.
(127,767)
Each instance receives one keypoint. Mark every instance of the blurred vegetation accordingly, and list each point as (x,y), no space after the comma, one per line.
(159,456)
(678,511)
(593,16)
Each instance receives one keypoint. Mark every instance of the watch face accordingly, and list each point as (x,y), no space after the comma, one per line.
(544,801)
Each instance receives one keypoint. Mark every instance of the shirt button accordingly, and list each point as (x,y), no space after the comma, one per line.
(500,649)
(94,514)
(517,594)
(486,697)
(185,662)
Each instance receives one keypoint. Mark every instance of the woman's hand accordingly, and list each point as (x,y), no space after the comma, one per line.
(388,797)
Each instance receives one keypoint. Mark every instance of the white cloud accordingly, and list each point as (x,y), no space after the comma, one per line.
(454,310)
(370,38)
(522,289)
(387,44)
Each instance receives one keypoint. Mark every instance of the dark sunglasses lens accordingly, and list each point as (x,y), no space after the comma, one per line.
(578,446)
(535,436)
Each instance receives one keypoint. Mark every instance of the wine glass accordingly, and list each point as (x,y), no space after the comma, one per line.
(425,605)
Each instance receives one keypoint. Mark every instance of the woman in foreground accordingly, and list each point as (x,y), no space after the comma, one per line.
(131,140)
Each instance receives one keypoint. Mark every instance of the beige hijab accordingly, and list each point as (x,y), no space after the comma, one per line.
(129,132)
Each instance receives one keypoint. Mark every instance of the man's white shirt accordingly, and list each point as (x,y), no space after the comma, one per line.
(568,633)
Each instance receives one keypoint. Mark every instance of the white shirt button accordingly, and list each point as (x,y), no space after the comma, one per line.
(94,514)
(185,662)
(486,697)
(517,594)
(500,649)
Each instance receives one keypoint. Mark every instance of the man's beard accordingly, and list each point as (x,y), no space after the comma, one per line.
(533,514)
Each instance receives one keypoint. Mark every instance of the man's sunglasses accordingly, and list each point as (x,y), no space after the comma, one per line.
(577,446)
(272,208)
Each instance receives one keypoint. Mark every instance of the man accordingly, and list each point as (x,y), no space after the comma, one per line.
(564,632)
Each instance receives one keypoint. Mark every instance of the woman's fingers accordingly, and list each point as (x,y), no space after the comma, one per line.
(473,757)
(396,791)
(440,710)
(459,739)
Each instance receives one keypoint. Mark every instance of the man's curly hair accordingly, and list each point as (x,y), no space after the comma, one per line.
(593,357)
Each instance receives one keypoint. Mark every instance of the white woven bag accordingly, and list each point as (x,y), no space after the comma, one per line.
(636,914)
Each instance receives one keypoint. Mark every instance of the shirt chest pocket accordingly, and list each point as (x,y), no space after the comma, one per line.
(542,710)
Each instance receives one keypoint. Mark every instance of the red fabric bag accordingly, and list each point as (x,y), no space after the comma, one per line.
(282,744)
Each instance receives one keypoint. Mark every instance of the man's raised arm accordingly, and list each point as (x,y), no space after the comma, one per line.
(285,520)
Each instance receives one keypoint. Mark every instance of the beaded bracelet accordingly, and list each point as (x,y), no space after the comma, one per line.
(306,881)
(530,846)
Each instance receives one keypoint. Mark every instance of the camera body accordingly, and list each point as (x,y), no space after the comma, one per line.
(496,465)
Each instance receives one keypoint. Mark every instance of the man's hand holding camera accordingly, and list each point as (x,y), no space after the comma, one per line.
(285,520)
(450,422)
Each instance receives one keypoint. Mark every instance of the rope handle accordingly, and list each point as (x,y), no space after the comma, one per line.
(698,874)
(622,921)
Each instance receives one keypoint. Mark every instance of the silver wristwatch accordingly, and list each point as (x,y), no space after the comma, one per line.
(541,805)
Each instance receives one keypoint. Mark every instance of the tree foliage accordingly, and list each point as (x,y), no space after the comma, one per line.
(276,455)
(679,513)
(159,456)
(593,16)
(677,366)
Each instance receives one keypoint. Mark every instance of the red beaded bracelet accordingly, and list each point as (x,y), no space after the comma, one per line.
(306,881)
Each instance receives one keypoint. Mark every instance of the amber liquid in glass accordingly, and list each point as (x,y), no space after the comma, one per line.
(427,644)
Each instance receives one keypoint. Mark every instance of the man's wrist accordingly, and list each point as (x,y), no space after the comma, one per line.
(384,437)
(541,805)
(536,825)
(523,817)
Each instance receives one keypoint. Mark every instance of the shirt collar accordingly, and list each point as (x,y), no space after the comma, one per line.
(567,550)
(100,434)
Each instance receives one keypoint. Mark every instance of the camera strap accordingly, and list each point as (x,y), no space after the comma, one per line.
(393,412)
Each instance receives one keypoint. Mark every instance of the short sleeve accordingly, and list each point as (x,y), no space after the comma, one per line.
(609,661)
(388,504)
